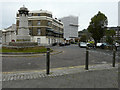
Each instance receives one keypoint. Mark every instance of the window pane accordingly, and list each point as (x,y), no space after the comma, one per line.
(30,14)
(38,22)
(30,32)
(39,32)
(29,23)
(38,14)
(49,23)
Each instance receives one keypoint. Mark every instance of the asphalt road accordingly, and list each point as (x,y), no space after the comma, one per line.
(72,56)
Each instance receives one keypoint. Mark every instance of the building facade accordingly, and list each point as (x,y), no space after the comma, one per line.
(9,34)
(70,27)
(0,36)
(117,31)
(43,28)
(119,13)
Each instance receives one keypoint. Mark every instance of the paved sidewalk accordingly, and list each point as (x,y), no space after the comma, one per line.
(98,76)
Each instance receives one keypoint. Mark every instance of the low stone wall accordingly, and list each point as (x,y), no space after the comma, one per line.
(23,44)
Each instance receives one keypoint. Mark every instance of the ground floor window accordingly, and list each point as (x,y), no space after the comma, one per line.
(38,41)
(55,40)
(48,40)
(38,31)
(52,40)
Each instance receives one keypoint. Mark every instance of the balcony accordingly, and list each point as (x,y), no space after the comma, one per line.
(49,29)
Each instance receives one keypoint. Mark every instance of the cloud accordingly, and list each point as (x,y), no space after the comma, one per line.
(59,1)
(85,9)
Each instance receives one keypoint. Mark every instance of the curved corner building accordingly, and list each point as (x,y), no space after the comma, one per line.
(43,28)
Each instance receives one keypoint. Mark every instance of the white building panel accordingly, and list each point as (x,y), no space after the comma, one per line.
(70,26)
(119,13)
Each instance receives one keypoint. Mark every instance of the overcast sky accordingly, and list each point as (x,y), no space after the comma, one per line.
(84,9)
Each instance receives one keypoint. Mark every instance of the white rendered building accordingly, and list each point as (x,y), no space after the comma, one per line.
(119,13)
(9,34)
(0,36)
(70,27)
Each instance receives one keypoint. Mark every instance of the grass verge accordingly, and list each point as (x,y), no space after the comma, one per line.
(37,49)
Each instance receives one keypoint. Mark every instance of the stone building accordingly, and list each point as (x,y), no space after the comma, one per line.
(117,31)
(43,28)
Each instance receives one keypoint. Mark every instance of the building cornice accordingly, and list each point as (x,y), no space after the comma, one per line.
(40,11)
(41,18)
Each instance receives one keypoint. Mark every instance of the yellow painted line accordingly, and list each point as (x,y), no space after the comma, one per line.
(68,67)
(71,67)
(23,71)
(57,53)
(61,68)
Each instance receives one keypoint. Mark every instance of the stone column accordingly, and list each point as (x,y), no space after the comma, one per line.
(23,31)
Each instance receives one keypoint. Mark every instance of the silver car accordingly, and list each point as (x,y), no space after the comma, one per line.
(83,44)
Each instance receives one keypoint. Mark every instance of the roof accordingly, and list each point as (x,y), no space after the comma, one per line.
(40,11)
(10,28)
(23,8)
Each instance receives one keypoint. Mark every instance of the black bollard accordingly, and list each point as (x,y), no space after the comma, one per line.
(48,61)
(87,57)
(114,54)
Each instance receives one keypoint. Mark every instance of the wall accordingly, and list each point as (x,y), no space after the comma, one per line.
(70,30)
(119,13)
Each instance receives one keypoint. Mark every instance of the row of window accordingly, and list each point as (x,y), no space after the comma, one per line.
(38,23)
(49,40)
(38,31)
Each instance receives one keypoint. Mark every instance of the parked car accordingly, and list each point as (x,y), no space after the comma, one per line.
(98,44)
(54,44)
(83,44)
(103,45)
(118,49)
(117,44)
(61,44)
(67,43)
(90,45)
